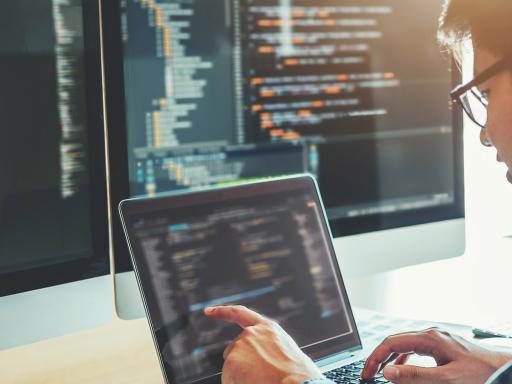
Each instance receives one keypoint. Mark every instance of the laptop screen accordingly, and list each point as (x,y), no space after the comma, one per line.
(265,246)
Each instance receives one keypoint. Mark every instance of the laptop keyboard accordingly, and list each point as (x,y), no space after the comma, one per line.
(351,374)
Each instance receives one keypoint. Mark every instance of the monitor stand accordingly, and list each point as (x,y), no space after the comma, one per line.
(129,304)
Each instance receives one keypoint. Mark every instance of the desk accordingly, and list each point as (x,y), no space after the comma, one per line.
(461,290)
(119,352)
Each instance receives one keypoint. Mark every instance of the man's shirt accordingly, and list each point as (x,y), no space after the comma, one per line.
(502,375)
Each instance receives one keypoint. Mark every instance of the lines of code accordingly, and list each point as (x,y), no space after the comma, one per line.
(230,90)
(69,46)
(310,66)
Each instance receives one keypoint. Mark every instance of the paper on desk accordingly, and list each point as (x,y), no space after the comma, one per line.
(374,327)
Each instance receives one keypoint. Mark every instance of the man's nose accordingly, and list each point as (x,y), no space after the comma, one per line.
(484,139)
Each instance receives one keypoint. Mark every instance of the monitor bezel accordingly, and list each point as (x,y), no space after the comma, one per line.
(168,201)
(97,263)
(118,155)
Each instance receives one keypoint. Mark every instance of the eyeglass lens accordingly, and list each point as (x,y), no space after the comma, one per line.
(475,106)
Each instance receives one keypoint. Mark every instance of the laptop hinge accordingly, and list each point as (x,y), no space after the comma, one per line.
(333,358)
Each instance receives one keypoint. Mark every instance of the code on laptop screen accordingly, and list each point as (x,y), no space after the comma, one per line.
(270,254)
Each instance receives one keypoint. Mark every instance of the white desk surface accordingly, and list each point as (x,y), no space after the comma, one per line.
(468,289)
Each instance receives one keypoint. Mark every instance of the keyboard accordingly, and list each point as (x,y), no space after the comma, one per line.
(351,374)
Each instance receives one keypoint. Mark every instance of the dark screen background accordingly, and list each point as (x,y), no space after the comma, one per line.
(38,224)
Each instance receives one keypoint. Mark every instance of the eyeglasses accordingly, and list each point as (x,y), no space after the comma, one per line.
(472,101)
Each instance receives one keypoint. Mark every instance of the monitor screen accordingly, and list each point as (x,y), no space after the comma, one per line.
(52,193)
(263,246)
(227,90)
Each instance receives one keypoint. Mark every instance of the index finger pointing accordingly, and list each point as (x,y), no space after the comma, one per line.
(237,314)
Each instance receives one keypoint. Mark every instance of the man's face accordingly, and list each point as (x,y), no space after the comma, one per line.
(498,89)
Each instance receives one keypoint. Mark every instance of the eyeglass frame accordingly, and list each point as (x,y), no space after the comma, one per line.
(457,92)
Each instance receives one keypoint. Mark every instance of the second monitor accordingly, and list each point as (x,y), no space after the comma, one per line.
(212,92)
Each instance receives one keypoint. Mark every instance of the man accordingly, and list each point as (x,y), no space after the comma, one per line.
(265,354)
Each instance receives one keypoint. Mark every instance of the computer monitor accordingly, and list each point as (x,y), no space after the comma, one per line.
(54,250)
(356,93)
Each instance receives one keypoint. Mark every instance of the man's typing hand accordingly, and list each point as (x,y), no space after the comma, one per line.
(458,360)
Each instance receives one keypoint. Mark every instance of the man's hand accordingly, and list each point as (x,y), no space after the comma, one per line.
(458,361)
(263,352)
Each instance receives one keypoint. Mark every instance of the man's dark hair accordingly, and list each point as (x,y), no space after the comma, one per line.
(487,22)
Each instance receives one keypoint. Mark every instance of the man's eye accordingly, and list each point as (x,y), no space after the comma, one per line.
(485,94)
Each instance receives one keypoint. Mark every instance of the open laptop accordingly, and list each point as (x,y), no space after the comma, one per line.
(265,245)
